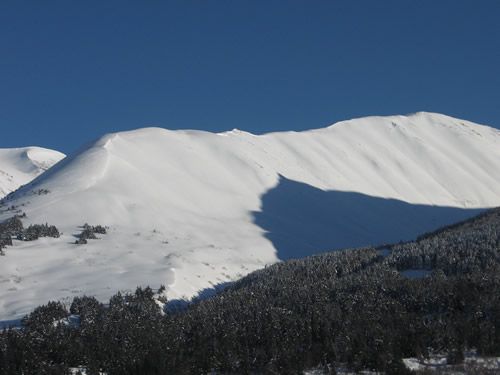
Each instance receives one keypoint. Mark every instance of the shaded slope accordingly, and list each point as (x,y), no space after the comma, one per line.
(301,220)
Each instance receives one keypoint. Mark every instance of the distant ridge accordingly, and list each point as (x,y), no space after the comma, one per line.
(19,166)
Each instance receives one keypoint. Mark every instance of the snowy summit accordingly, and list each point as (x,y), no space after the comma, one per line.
(193,209)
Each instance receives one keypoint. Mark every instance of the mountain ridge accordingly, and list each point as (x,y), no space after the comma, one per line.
(192,209)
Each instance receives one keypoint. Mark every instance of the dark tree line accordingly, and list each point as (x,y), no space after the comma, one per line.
(13,228)
(88,233)
(353,307)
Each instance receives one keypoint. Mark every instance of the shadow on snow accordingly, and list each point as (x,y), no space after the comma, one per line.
(302,220)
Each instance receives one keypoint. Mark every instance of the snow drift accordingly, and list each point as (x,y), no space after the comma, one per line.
(192,209)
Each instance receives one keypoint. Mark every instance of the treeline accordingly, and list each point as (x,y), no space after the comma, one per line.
(352,307)
(13,228)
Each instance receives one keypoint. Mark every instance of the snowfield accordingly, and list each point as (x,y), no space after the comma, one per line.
(438,363)
(19,166)
(193,209)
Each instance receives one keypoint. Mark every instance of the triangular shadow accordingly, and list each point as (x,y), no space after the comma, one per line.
(302,220)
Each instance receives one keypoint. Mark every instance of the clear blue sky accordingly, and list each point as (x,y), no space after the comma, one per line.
(71,71)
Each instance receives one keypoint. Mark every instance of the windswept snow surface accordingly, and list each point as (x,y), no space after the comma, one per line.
(181,205)
(19,166)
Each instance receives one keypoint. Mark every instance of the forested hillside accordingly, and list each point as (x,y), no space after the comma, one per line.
(365,308)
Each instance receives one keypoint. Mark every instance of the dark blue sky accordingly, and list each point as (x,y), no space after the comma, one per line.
(71,71)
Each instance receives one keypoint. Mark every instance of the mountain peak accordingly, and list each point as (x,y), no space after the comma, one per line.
(192,209)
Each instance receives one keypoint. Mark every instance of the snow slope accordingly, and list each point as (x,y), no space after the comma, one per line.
(192,209)
(19,166)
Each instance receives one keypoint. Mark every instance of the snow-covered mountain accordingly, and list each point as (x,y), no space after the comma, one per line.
(19,166)
(192,209)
